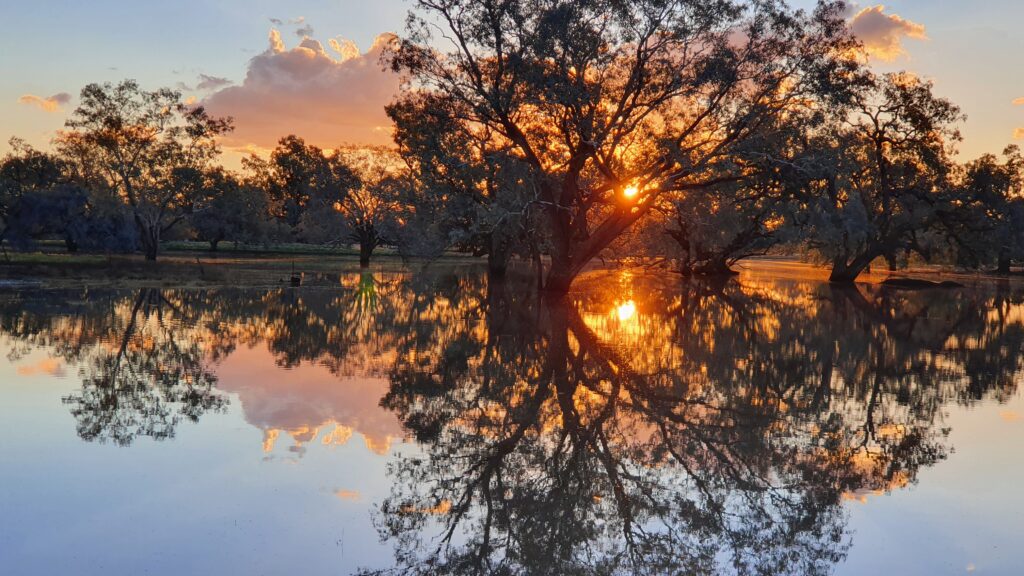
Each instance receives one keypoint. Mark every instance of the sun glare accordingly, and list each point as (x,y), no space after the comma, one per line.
(631,191)
(626,311)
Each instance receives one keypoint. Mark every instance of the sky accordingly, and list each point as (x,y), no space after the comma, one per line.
(311,67)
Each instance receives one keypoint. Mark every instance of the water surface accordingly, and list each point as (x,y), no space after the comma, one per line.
(433,422)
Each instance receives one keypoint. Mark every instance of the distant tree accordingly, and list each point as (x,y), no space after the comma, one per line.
(41,198)
(597,97)
(296,175)
(147,147)
(231,210)
(880,175)
(987,224)
(24,173)
(479,197)
(366,214)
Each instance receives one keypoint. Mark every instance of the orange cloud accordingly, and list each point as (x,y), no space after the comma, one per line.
(49,103)
(882,34)
(1018,134)
(347,494)
(1009,416)
(1018,102)
(327,99)
(48,366)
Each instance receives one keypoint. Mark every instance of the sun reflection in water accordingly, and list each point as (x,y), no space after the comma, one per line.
(626,311)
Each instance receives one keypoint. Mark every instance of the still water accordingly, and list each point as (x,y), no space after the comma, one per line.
(430,422)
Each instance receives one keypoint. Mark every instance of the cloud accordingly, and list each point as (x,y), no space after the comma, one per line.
(326,99)
(1009,416)
(48,366)
(343,494)
(276,21)
(319,404)
(49,103)
(304,31)
(883,34)
(207,82)
(1018,134)
(1018,102)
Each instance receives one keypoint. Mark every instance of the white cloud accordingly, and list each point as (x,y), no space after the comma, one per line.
(305,91)
(883,34)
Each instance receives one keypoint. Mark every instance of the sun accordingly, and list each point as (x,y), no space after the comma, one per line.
(630,191)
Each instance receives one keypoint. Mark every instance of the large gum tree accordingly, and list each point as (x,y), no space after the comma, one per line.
(611,104)
(148,147)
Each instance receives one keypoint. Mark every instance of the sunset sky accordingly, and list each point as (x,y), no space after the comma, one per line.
(310,67)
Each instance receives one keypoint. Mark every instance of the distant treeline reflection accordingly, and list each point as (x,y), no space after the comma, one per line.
(644,426)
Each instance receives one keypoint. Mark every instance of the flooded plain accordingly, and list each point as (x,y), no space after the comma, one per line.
(431,422)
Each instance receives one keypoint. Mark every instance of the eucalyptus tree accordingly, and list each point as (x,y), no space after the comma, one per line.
(371,212)
(148,147)
(42,197)
(880,175)
(298,175)
(230,209)
(475,198)
(753,208)
(988,228)
(23,172)
(612,103)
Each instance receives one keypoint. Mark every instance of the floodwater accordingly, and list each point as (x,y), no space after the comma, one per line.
(430,422)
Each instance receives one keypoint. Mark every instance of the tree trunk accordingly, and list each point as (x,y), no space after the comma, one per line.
(213,243)
(847,273)
(497,257)
(558,281)
(71,245)
(560,275)
(716,267)
(891,261)
(366,246)
(1003,268)
(150,236)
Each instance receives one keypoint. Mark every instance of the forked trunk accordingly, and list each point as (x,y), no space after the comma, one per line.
(844,272)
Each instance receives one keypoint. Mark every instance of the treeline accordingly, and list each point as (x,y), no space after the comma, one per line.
(136,168)
(698,133)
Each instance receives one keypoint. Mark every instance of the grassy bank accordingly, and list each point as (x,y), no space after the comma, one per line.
(185,264)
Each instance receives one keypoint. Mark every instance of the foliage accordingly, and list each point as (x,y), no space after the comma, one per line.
(594,97)
(230,209)
(879,175)
(148,147)
(299,176)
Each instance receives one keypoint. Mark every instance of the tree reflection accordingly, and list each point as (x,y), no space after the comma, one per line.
(646,426)
(140,376)
(718,435)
